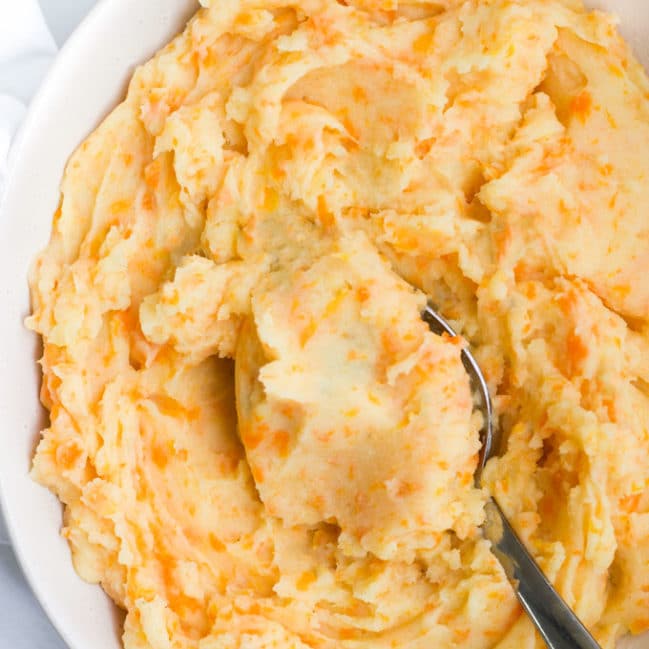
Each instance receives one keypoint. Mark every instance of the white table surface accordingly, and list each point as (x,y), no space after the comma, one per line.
(23,625)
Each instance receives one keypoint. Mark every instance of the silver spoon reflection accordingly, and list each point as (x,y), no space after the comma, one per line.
(555,621)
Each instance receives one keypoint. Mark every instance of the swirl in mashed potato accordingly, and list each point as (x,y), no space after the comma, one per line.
(257,440)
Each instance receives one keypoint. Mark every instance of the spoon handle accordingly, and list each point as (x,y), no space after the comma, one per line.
(555,621)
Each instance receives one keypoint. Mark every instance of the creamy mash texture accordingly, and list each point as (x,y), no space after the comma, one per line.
(258,442)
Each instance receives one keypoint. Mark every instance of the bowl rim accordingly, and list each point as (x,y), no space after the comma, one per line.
(35,107)
(39,100)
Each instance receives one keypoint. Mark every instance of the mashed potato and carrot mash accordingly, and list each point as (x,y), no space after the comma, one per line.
(257,440)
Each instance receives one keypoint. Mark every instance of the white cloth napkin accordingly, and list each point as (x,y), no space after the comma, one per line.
(26,50)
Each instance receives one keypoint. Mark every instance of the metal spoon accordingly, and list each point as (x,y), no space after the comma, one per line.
(555,621)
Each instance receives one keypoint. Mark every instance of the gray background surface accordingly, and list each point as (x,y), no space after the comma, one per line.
(64,15)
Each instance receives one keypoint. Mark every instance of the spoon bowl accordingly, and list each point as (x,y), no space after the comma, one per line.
(479,387)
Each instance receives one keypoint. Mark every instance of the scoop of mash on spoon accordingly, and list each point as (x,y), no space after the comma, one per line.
(326,372)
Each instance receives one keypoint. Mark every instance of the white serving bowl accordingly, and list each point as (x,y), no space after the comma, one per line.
(86,82)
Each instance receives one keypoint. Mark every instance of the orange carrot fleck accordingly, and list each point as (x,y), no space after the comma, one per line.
(581,106)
